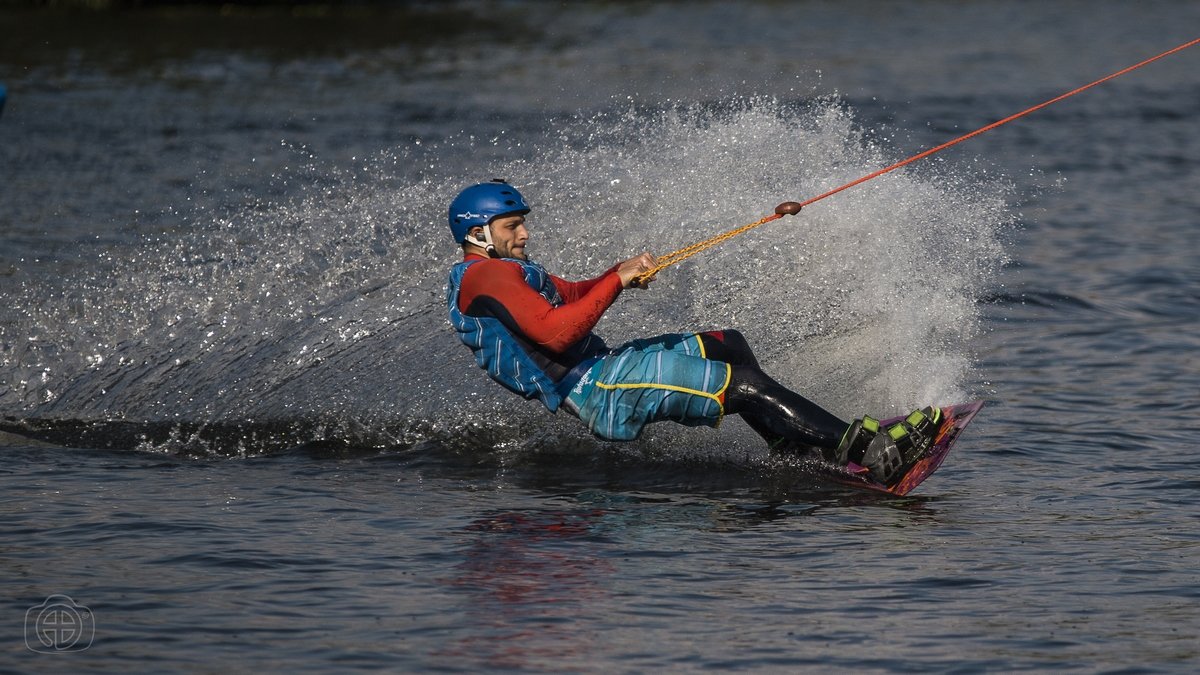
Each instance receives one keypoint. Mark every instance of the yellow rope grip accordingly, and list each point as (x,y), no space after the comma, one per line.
(784,209)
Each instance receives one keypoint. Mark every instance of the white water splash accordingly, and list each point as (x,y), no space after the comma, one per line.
(328,305)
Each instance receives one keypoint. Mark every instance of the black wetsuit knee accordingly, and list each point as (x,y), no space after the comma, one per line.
(776,412)
(729,346)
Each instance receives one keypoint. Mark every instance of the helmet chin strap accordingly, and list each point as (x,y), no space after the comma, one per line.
(486,242)
(487,237)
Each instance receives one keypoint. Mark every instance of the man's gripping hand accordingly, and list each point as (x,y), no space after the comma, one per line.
(635,267)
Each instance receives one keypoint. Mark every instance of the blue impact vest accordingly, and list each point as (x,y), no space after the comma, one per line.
(496,351)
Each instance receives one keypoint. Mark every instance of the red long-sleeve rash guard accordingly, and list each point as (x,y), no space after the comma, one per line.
(495,287)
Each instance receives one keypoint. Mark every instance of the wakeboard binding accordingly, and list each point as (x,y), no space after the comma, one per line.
(888,453)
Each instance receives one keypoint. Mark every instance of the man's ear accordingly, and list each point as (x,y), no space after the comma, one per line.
(476,233)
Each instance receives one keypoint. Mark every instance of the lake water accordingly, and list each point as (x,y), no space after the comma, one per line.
(239,433)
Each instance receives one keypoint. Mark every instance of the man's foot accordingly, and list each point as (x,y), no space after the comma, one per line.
(889,455)
(855,442)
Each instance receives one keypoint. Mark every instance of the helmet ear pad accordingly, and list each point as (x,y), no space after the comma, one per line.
(482,236)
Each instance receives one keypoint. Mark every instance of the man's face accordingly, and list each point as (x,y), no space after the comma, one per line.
(509,236)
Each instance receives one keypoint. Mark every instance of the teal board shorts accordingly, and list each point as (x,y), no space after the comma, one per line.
(650,380)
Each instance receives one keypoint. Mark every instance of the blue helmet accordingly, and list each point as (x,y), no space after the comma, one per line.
(479,204)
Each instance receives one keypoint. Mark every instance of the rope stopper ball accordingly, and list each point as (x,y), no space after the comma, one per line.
(788,208)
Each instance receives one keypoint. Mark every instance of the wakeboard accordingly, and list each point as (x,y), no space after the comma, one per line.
(955,418)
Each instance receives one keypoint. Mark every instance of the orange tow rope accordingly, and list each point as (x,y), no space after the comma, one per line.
(792,208)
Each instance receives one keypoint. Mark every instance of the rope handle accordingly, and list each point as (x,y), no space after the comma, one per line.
(784,209)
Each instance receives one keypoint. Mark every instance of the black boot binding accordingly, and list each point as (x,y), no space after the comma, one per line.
(855,442)
(889,455)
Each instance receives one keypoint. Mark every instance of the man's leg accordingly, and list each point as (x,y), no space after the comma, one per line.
(729,346)
(787,420)
(683,377)
(667,377)
(779,414)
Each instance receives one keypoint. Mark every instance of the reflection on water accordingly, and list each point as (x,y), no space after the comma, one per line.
(531,578)
(534,579)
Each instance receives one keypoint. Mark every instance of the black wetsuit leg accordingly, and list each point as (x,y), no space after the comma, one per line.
(775,412)
(729,346)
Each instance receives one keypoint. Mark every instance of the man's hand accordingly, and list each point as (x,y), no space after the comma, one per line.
(632,268)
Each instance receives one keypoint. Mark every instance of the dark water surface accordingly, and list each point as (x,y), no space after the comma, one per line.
(239,435)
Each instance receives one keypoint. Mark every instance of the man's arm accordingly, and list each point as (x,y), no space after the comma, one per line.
(627,271)
(574,290)
(497,288)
